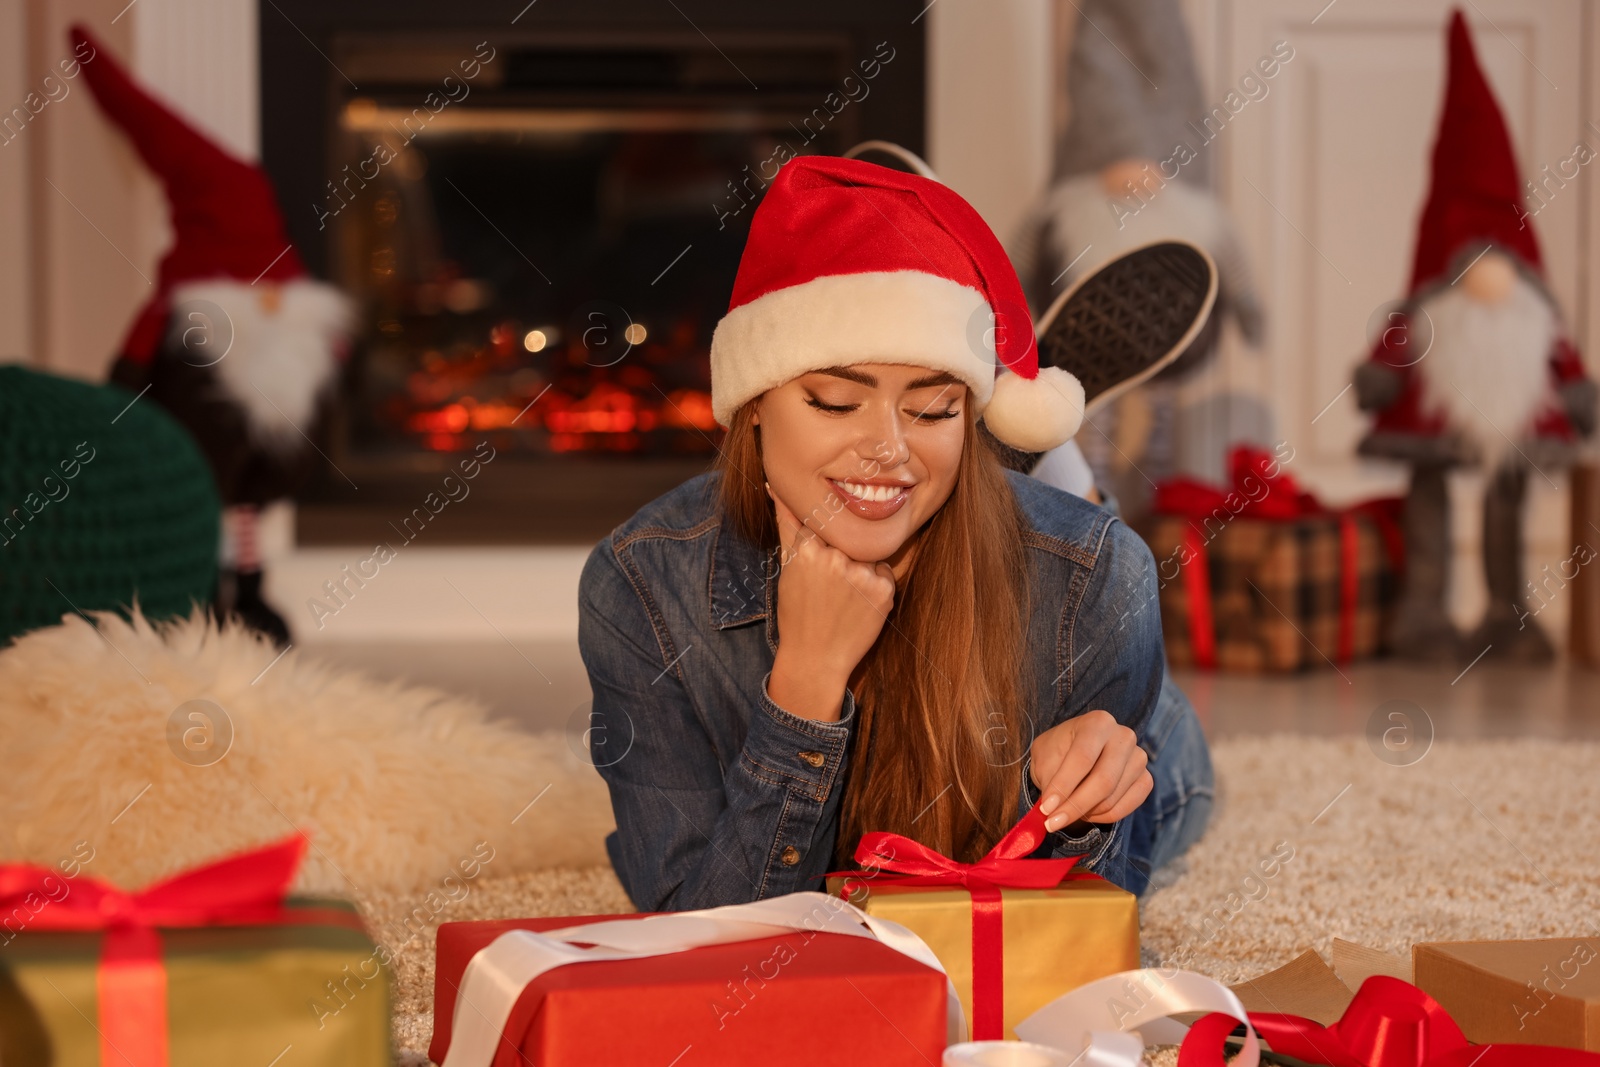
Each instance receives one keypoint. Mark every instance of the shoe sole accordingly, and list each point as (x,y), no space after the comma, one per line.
(1125,322)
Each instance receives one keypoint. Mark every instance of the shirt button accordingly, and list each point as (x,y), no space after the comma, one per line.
(816,759)
(790,856)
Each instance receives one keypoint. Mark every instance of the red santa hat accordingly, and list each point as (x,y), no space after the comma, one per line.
(1476,192)
(225,216)
(849,262)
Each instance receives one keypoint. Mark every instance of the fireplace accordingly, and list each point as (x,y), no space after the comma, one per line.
(541,224)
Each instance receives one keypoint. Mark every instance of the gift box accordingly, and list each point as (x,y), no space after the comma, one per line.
(804,998)
(1263,577)
(215,966)
(1012,933)
(1541,992)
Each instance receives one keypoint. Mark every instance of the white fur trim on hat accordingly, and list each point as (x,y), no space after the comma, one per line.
(1035,414)
(903,317)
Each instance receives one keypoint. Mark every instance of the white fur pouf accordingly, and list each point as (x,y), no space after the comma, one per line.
(117,762)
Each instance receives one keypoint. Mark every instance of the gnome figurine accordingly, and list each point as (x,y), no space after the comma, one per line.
(1133,165)
(1474,368)
(1131,169)
(238,342)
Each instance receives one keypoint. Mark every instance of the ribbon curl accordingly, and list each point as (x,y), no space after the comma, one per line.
(1390,1023)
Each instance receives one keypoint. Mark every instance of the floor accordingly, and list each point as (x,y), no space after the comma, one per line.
(543,685)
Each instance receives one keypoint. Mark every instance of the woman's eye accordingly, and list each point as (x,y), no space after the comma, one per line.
(934,416)
(837,409)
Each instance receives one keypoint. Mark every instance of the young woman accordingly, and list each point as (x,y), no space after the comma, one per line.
(860,621)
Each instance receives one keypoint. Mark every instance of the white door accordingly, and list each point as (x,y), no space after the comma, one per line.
(1326,175)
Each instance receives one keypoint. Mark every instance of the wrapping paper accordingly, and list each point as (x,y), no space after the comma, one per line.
(213,966)
(1055,939)
(791,998)
(1010,930)
(1261,576)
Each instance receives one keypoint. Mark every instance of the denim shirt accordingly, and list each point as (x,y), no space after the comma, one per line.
(720,795)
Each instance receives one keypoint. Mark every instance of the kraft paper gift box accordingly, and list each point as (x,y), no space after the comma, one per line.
(1542,992)
(796,1000)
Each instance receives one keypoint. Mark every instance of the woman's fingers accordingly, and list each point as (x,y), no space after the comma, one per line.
(875,583)
(1094,773)
(1130,792)
(1073,767)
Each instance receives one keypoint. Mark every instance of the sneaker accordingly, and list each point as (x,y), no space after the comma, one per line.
(1125,322)
(1122,325)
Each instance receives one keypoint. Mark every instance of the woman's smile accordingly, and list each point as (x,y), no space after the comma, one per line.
(873,500)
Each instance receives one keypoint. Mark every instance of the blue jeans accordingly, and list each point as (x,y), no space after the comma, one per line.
(1176,812)
(1178,809)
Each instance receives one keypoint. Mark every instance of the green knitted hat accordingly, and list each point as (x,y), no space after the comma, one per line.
(102,500)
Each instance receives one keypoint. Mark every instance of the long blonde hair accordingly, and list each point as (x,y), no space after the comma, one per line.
(943,705)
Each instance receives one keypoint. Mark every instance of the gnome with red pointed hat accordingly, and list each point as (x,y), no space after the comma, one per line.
(238,342)
(1474,369)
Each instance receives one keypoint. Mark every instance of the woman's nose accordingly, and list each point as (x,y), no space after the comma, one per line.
(885,442)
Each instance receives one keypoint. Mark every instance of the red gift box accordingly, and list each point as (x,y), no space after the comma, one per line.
(798,999)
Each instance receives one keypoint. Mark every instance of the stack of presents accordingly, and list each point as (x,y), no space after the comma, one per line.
(914,959)
(1261,576)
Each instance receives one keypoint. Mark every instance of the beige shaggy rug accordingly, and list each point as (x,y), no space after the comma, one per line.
(1486,839)
(137,751)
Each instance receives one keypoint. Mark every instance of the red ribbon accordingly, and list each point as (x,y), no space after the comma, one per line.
(1390,1023)
(912,863)
(1257,494)
(245,889)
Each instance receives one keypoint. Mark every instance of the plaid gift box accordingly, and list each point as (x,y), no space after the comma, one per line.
(1263,577)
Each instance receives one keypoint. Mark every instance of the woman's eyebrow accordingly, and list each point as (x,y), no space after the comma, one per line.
(943,377)
(849,374)
(863,378)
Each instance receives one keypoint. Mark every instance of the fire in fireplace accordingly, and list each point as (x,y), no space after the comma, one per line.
(542,228)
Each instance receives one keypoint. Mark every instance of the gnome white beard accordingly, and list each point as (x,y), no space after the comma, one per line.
(1487,370)
(1084,227)
(274,364)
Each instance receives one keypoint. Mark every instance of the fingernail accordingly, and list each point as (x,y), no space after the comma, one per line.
(1049,804)
(1052,824)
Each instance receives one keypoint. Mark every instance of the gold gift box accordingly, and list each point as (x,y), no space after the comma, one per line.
(1055,939)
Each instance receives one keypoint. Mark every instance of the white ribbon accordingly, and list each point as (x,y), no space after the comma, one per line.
(498,973)
(1107,1023)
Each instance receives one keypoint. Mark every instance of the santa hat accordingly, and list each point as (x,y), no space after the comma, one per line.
(1475,195)
(849,262)
(225,216)
(1121,51)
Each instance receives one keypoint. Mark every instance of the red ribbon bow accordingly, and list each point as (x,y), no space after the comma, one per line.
(244,889)
(1259,494)
(911,863)
(1390,1023)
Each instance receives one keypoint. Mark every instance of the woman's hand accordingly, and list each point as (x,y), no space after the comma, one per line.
(831,609)
(1089,768)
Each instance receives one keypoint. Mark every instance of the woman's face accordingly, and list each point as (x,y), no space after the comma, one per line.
(864,454)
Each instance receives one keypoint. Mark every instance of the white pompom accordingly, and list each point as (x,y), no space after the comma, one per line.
(1035,414)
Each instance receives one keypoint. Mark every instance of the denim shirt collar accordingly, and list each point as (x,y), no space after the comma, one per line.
(743,582)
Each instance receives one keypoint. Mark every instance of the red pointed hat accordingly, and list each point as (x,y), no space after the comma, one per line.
(850,262)
(1476,191)
(225,216)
